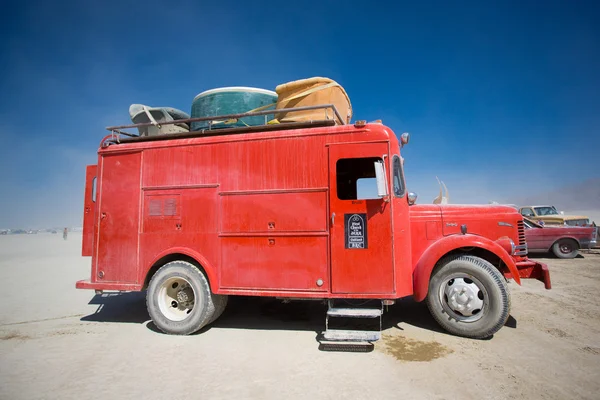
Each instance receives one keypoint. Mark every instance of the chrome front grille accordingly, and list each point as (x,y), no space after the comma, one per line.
(521,232)
(521,249)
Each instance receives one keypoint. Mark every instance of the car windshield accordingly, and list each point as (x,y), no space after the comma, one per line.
(546,211)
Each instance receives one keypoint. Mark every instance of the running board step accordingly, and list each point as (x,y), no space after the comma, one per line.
(354,312)
(339,335)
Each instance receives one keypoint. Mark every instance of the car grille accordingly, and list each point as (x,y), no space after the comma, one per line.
(521,249)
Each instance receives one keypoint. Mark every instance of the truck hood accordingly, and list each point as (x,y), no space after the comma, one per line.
(460,210)
(475,209)
(492,221)
(485,220)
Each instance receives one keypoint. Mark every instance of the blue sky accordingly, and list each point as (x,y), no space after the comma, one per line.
(501,99)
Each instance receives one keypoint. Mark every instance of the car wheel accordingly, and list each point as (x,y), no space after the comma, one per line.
(565,248)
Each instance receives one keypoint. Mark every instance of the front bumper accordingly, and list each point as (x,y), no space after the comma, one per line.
(530,269)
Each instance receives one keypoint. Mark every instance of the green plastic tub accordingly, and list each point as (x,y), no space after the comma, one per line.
(232,100)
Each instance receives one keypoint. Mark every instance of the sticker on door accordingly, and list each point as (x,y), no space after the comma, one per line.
(355,229)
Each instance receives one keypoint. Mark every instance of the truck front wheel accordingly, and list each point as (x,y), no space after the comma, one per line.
(468,297)
(179,299)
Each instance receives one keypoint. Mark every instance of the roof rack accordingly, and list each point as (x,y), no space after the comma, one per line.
(329,120)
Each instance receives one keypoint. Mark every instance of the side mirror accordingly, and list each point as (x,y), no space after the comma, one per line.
(404,138)
(412,198)
(380,176)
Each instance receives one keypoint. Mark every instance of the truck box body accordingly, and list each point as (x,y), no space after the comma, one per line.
(261,211)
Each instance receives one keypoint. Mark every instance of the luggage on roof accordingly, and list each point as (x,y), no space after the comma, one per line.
(310,92)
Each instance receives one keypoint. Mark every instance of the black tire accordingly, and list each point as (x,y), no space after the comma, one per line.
(565,248)
(204,300)
(220,305)
(492,292)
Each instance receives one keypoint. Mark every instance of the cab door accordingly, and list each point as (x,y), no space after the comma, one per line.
(360,220)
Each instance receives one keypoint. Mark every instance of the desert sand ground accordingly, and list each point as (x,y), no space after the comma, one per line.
(59,342)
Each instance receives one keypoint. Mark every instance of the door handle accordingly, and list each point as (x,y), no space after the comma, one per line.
(332,218)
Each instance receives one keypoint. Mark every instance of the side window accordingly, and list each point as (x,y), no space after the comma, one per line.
(355,178)
(398,177)
(527,212)
(94,190)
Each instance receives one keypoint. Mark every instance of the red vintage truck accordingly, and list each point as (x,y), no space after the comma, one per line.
(276,210)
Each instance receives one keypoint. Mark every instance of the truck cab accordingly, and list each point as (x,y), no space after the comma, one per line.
(280,211)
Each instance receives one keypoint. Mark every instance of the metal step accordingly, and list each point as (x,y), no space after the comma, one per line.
(354,312)
(339,335)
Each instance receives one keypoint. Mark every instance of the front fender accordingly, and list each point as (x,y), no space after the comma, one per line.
(206,265)
(436,251)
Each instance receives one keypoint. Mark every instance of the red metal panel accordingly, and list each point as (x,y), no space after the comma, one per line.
(240,165)
(274,212)
(536,239)
(401,239)
(162,212)
(421,216)
(531,269)
(181,166)
(190,229)
(89,210)
(119,210)
(200,210)
(274,262)
(366,270)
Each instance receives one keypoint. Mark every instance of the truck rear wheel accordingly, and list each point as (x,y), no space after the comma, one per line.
(468,297)
(220,304)
(179,299)
(565,248)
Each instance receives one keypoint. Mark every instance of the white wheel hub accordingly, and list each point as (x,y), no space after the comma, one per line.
(176,298)
(464,298)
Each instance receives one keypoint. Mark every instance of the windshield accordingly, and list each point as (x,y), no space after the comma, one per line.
(546,210)
(398,177)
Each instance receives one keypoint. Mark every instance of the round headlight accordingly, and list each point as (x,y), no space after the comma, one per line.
(507,244)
